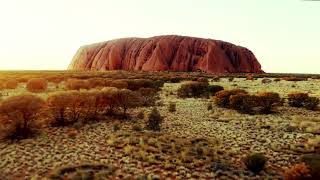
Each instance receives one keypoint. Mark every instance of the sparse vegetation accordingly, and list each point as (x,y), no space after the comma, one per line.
(255,162)
(91,110)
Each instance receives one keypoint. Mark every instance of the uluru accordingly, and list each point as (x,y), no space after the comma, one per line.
(166,53)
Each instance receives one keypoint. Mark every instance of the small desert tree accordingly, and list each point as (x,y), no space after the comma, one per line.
(149,96)
(58,104)
(37,85)
(19,115)
(93,103)
(127,99)
(109,102)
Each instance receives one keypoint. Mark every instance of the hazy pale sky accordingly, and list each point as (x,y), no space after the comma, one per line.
(45,34)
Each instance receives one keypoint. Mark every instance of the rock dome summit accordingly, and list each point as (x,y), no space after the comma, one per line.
(166,53)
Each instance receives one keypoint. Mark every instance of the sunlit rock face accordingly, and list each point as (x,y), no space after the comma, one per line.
(166,53)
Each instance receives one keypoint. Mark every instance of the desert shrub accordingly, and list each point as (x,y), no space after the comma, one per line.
(136,84)
(58,104)
(297,99)
(116,127)
(137,127)
(74,106)
(295,79)
(85,105)
(11,84)
(255,162)
(55,79)
(192,89)
(175,79)
(126,98)
(302,100)
(222,97)
(68,107)
(149,96)
(109,102)
(277,80)
(76,84)
(120,84)
(209,106)
(20,116)
(22,79)
(298,172)
(213,89)
(140,115)
(154,120)
(311,103)
(230,79)
(263,102)
(268,100)
(97,82)
(313,162)
(37,85)
(94,103)
(172,107)
(2,84)
(266,81)
(242,102)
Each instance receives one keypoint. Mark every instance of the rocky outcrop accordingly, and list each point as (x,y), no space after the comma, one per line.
(166,53)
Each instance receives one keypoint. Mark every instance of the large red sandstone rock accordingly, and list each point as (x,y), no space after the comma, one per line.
(166,53)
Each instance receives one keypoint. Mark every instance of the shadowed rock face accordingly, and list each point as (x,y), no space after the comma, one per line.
(166,53)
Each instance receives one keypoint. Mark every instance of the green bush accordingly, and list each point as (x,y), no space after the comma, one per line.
(255,162)
(154,120)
